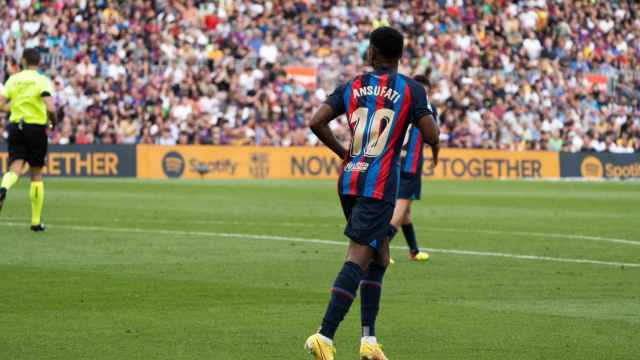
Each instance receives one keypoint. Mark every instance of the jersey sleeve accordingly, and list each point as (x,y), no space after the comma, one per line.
(336,100)
(45,86)
(421,105)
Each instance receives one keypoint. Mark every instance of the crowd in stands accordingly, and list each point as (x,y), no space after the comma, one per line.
(559,75)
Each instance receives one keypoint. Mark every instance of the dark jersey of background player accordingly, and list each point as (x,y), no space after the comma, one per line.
(380,106)
(413,155)
(413,160)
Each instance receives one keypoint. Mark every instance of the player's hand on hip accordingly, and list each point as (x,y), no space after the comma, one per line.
(345,158)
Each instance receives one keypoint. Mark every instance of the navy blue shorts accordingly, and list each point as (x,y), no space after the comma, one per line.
(410,186)
(367,219)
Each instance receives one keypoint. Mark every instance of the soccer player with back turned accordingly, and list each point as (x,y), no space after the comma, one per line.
(380,105)
(30,97)
(411,183)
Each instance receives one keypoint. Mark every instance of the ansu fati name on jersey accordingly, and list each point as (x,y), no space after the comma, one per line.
(387,92)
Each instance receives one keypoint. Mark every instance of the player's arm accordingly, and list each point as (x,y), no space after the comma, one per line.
(427,121)
(331,109)
(320,127)
(430,134)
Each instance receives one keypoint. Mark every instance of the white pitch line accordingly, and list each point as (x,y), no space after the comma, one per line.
(479,231)
(330,242)
(537,234)
(440,229)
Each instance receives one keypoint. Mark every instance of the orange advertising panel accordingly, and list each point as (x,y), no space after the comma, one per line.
(229,162)
(493,164)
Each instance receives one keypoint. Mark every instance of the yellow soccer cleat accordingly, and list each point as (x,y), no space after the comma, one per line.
(370,351)
(319,348)
(391,261)
(420,256)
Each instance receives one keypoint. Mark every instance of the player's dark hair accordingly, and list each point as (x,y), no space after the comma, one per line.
(388,41)
(31,56)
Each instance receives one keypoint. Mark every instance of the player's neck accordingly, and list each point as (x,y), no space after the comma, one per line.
(31,68)
(380,68)
(385,67)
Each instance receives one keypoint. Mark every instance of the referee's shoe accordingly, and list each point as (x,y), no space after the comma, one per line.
(38,228)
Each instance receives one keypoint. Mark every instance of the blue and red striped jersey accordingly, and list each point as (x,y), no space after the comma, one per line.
(379,106)
(413,153)
(413,158)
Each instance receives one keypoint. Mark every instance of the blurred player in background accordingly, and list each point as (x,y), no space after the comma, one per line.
(411,183)
(30,99)
(380,106)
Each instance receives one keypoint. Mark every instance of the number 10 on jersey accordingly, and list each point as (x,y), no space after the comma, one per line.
(370,134)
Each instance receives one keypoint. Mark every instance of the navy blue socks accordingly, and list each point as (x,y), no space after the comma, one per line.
(370,291)
(410,236)
(343,292)
(391,232)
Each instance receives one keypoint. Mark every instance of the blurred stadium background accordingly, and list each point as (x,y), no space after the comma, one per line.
(517,75)
(229,269)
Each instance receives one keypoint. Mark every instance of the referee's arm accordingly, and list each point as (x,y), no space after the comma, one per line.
(51,109)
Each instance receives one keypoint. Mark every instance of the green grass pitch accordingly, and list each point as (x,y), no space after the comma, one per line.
(132,269)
